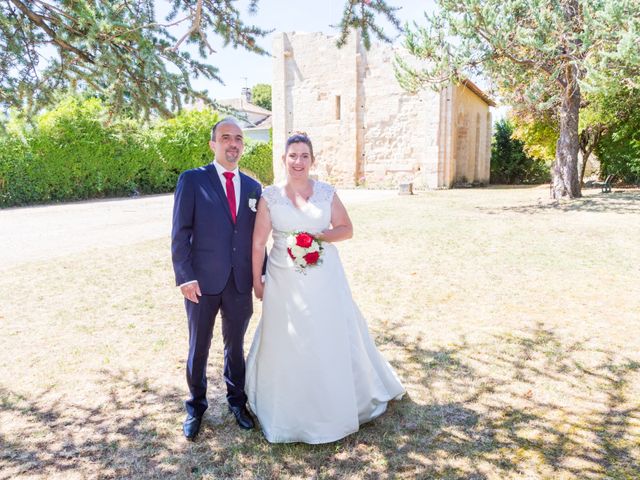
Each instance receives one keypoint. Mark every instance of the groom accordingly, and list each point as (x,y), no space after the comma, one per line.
(213,216)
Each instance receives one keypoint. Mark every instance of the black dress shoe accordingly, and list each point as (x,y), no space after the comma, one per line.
(243,417)
(191,427)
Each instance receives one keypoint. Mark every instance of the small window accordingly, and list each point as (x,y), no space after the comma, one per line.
(337,107)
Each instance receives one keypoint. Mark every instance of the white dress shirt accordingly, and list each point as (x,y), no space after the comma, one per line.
(236,186)
(236,181)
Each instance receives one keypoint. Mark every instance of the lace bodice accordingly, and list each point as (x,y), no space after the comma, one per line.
(314,217)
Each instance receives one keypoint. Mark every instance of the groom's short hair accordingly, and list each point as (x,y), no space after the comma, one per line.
(224,120)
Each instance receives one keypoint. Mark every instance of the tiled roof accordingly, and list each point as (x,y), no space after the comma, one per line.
(242,105)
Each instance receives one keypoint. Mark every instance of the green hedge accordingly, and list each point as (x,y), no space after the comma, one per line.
(619,151)
(76,154)
(77,151)
(178,144)
(257,161)
(16,169)
(509,162)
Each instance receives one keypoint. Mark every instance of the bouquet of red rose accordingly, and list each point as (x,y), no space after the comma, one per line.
(304,249)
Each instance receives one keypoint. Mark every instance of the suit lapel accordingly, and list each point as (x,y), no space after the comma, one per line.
(248,190)
(217,186)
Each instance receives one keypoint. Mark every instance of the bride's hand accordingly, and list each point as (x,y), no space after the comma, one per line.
(258,288)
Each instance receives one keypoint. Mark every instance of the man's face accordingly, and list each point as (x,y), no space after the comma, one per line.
(228,145)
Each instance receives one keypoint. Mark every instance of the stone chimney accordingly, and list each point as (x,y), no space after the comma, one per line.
(245,94)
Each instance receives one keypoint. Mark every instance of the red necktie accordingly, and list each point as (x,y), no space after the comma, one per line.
(231,194)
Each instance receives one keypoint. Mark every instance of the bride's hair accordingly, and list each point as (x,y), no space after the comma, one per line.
(299,137)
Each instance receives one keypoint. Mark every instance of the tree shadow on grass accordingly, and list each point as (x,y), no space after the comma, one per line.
(135,433)
(124,435)
(503,429)
(619,201)
(470,425)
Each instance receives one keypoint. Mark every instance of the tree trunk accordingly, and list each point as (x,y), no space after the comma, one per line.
(589,139)
(566,181)
(585,157)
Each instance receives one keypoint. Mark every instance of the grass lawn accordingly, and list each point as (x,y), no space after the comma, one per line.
(512,321)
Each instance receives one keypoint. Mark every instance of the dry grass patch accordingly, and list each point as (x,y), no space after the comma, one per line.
(511,320)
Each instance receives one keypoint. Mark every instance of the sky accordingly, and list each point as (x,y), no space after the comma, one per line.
(239,68)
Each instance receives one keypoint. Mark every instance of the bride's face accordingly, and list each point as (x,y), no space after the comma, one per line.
(298,160)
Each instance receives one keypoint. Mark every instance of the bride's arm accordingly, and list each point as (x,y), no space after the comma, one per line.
(261,231)
(341,227)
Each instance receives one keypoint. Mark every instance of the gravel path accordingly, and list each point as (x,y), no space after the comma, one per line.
(38,233)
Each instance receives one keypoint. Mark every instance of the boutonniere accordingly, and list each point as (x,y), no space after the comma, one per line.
(253,201)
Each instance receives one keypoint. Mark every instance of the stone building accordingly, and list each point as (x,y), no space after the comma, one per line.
(365,128)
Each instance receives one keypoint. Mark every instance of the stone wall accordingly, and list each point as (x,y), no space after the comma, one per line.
(400,129)
(473,137)
(315,91)
(364,127)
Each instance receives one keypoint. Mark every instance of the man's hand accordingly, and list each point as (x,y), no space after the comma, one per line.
(191,291)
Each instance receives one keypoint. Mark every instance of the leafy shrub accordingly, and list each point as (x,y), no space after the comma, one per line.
(78,154)
(257,160)
(510,164)
(619,151)
(15,164)
(77,151)
(178,144)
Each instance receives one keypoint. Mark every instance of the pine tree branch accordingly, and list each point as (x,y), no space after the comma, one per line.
(195,26)
(55,10)
(484,32)
(117,49)
(39,21)
(148,26)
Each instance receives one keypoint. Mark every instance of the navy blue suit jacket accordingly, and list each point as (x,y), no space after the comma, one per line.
(205,243)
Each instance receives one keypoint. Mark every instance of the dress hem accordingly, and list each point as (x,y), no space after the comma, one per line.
(314,441)
(333,438)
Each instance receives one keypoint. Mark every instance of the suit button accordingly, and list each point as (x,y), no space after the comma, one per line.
(234,249)
(235,231)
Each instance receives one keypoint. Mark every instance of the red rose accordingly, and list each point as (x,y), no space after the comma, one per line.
(304,240)
(312,258)
(291,254)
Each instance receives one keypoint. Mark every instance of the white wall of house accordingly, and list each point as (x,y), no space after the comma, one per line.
(258,134)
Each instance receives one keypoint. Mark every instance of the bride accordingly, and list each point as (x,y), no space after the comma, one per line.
(314,374)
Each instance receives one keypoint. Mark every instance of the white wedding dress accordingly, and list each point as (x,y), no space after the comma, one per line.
(313,372)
